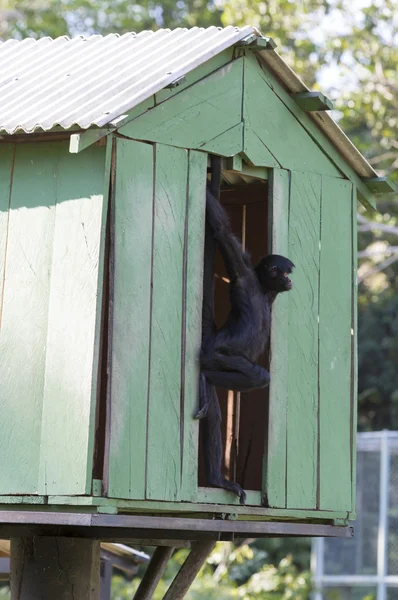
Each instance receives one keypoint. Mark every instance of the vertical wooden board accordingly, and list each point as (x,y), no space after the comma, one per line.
(354,349)
(274,468)
(164,436)
(335,308)
(278,129)
(6,172)
(195,233)
(25,314)
(302,417)
(69,398)
(133,198)
(196,115)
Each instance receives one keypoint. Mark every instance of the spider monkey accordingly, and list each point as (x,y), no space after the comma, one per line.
(229,354)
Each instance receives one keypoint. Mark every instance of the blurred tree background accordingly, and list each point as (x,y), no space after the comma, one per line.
(349,50)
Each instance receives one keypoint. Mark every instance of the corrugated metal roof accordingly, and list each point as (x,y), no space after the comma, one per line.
(92,80)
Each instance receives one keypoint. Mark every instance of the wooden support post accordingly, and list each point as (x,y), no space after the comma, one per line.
(191,567)
(153,573)
(45,568)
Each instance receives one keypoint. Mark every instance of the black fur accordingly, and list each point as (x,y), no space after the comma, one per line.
(229,354)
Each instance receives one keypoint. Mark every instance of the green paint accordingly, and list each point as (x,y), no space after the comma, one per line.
(163,444)
(255,151)
(277,128)
(197,115)
(200,72)
(335,345)
(228,143)
(197,174)
(309,124)
(302,429)
(66,443)
(312,101)
(274,468)
(214,496)
(133,206)
(6,167)
(354,351)
(25,314)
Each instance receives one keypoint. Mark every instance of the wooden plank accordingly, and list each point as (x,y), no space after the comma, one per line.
(274,468)
(256,152)
(196,115)
(354,350)
(302,426)
(163,443)
(193,324)
(311,101)
(335,322)
(7,155)
(81,141)
(313,124)
(379,185)
(228,143)
(69,393)
(25,314)
(277,128)
(131,318)
(202,71)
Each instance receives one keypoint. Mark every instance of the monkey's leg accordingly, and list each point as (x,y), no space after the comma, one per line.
(203,398)
(234,372)
(212,443)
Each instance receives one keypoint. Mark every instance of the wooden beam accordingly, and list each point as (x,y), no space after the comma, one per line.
(80,141)
(257,43)
(379,185)
(312,101)
(189,570)
(153,573)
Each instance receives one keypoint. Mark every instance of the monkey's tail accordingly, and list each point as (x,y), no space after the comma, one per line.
(212,440)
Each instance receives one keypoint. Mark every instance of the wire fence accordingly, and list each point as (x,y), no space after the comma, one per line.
(365,566)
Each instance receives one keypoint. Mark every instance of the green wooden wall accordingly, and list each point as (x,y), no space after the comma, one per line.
(53,212)
(159,200)
(312,395)
(51,219)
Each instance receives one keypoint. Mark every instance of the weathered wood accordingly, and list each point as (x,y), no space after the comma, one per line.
(69,392)
(379,185)
(255,151)
(44,568)
(131,318)
(189,570)
(207,109)
(153,573)
(275,466)
(163,443)
(302,417)
(7,157)
(200,72)
(354,349)
(335,321)
(277,127)
(81,141)
(25,314)
(312,101)
(312,124)
(194,244)
(229,143)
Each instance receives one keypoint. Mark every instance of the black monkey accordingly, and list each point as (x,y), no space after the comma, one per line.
(228,354)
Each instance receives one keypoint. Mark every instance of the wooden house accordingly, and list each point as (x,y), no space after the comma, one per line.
(105,146)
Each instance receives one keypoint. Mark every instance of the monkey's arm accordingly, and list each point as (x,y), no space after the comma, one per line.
(236,260)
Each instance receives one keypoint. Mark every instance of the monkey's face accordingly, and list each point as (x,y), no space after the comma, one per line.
(279,281)
(273,272)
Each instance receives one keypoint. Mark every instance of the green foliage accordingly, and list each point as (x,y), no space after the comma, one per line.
(231,572)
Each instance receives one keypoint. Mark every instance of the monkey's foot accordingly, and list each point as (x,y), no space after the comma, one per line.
(231,487)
